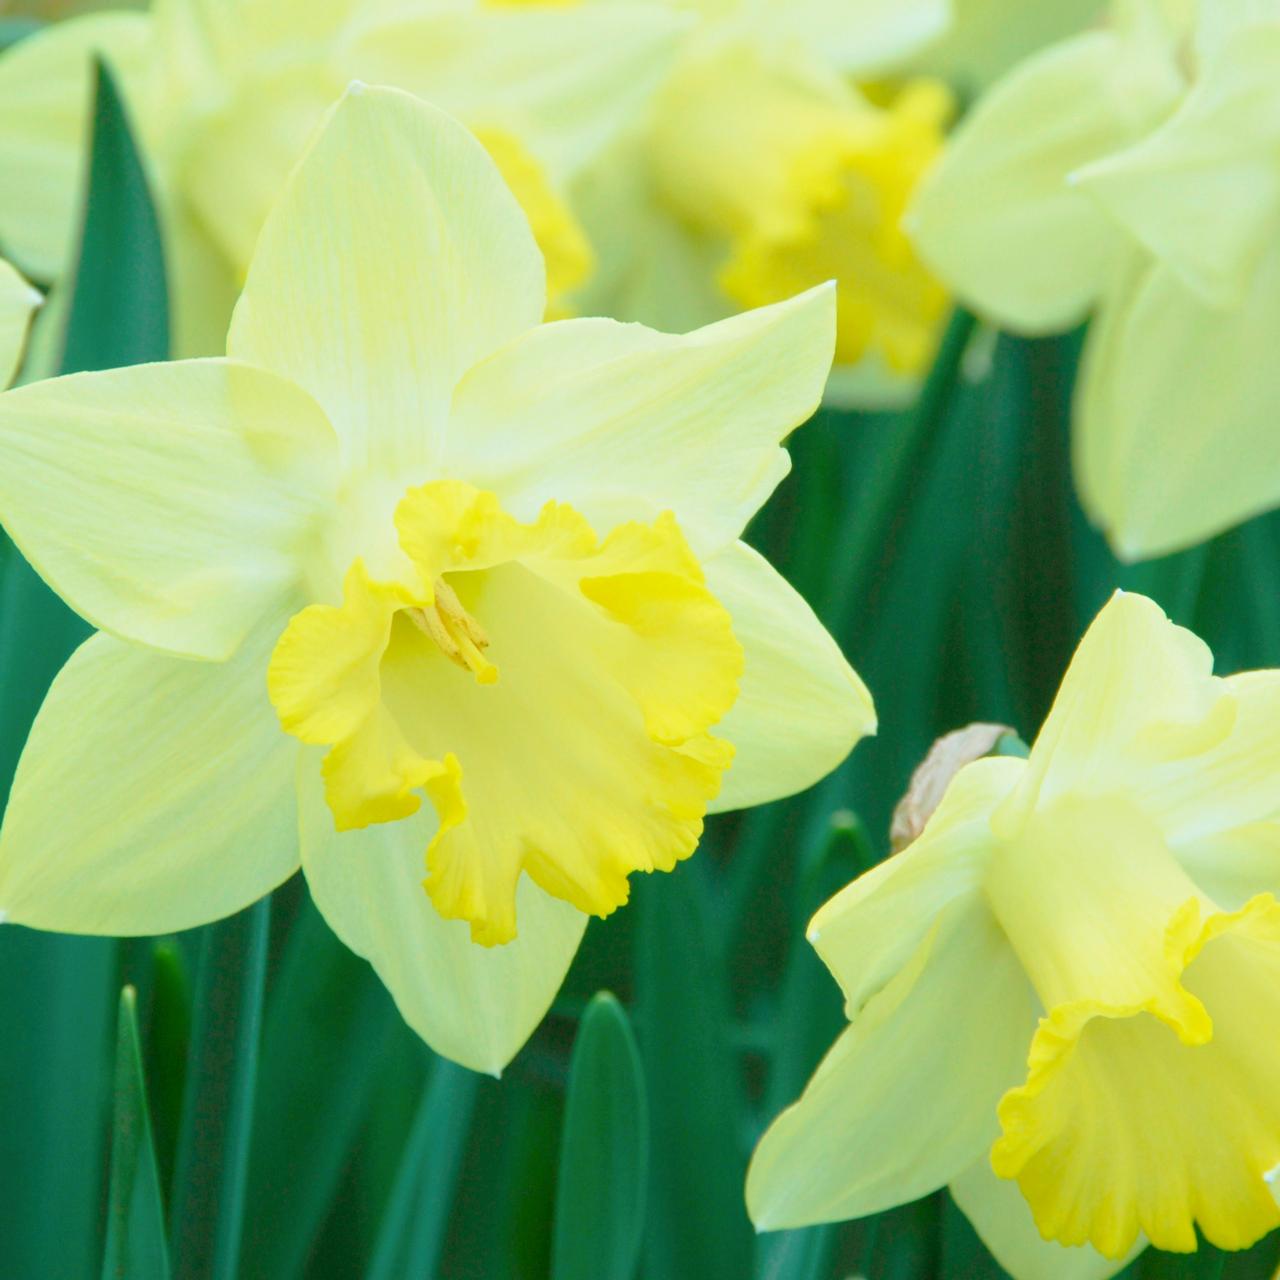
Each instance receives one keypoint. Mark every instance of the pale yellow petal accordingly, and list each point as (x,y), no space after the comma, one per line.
(167,503)
(906,1099)
(17,301)
(988,37)
(564,82)
(800,706)
(1002,1218)
(377,296)
(1176,441)
(868,931)
(997,220)
(154,793)
(1228,788)
(1202,193)
(1139,694)
(861,37)
(474,1004)
(625,422)
(46,86)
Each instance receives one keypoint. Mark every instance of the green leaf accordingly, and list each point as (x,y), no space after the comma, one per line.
(213,1149)
(326,1029)
(136,1248)
(697,1221)
(119,311)
(57,994)
(413,1225)
(604,1151)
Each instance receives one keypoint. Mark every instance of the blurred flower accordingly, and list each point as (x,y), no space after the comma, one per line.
(225,95)
(770,161)
(984,38)
(17,302)
(1134,172)
(1079,959)
(471,555)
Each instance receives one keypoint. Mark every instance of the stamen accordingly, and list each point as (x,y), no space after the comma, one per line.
(459,636)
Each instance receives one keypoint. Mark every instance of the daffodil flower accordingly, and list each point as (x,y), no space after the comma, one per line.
(1065,994)
(448,603)
(1134,172)
(762,168)
(224,94)
(18,300)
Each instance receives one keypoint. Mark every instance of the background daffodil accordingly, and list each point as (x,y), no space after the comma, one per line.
(476,558)
(1133,173)
(1063,994)
(767,163)
(225,93)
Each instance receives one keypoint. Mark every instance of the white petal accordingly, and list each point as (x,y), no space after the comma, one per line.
(907,1097)
(624,422)
(165,502)
(154,793)
(800,706)
(17,301)
(394,260)
(997,220)
(474,1004)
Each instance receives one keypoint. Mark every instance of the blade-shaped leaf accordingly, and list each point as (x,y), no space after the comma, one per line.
(213,1149)
(136,1247)
(604,1151)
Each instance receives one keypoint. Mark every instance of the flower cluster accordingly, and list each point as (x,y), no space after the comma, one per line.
(425,567)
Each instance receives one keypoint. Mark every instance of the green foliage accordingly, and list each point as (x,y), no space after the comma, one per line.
(604,1151)
(136,1247)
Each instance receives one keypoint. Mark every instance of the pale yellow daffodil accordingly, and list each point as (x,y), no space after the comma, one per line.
(769,162)
(413,587)
(1134,172)
(982,39)
(1065,994)
(18,301)
(223,95)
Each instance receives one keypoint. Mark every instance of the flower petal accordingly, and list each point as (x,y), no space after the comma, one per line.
(46,86)
(625,422)
(1229,788)
(154,793)
(1139,693)
(474,1004)
(800,706)
(906,1099)
(566,83)
(862,38)
(1002,1218)
(376,295)
(165,502)
(869,930)
(1209,166)
(1124,1128)
(1176,442)
(999,196)
(17,301)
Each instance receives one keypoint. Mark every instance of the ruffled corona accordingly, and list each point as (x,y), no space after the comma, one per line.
(549,691)
(808,180)
(1101,916)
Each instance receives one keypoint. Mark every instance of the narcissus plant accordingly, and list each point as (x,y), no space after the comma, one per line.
(767,163)
(1133,173)
(446,603)
(1065,993)
(224,95)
